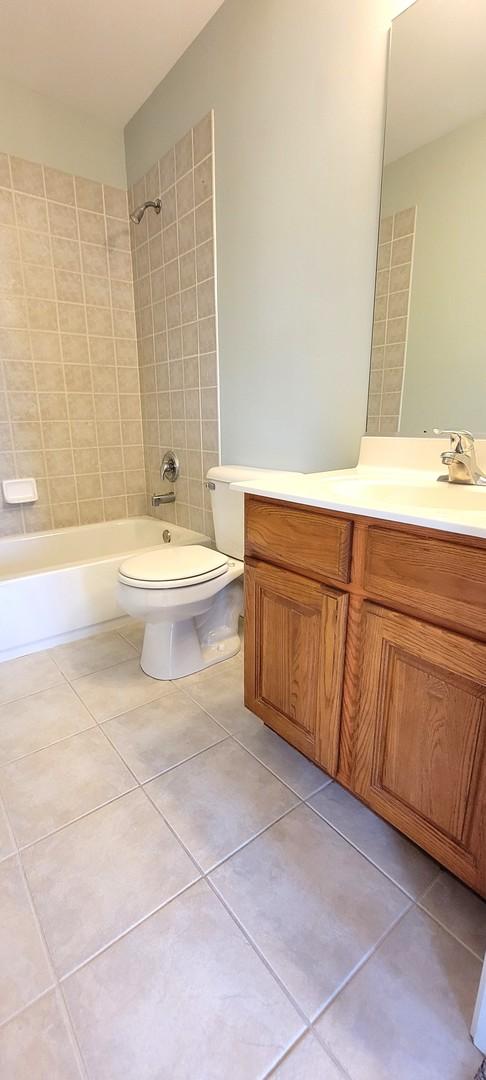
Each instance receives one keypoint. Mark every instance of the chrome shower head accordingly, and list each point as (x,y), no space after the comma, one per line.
(137,214)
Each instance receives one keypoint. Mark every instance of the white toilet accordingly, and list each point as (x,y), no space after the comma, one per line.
(191,597)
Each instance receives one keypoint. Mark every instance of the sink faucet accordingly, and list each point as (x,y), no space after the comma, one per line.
(461,459)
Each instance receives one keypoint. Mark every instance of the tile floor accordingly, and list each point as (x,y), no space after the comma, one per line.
(182,895)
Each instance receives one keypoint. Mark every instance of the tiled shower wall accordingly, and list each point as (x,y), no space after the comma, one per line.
(69,386)
(173,255)
(390,321)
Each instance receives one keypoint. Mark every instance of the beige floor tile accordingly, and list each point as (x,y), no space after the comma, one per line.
(290,766)
(116,689)
(406,1013)
(405,863)
(233,665)
(7,844)
(133,632)
(459,909)
(95,879)
(92,654)
(34,722)
(162,734)
(181,996)
(36,1045)
(26,675)
(24,968)
(48,789)
(313,905)
(219,800)
(308,1061)
(221,694)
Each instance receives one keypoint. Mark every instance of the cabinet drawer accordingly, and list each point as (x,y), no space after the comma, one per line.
(440,578)
(308,541)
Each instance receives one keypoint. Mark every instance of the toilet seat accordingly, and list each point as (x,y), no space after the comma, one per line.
(173,567)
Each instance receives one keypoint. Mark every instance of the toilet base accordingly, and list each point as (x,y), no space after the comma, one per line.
(173,649)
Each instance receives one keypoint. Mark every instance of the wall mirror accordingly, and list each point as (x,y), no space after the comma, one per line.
(428,359)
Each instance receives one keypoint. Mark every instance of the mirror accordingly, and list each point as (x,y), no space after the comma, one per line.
(428,357)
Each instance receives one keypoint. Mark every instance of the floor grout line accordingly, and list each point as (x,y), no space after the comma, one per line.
(451,933)
(363,853)
(261,955)
(128,930)
(55,983)
(206,875)
(362,962)
(55,742)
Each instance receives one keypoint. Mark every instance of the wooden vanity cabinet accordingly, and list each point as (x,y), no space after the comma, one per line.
(419,755)
(294,657)
(371,660)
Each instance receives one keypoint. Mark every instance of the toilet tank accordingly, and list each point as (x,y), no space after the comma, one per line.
(229,506)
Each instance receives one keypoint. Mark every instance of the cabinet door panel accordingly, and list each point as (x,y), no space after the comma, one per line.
(294,657)
(420,749)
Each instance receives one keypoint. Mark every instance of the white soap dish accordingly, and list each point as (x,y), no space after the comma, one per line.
(20,491)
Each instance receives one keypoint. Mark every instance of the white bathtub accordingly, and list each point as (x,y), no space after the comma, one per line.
(55,586)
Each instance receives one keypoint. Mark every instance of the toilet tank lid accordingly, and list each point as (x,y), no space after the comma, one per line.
(234,474)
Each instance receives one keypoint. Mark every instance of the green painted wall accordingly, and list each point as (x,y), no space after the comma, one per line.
(298,92)
(40,129)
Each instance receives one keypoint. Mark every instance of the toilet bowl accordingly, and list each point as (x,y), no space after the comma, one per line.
(191,597)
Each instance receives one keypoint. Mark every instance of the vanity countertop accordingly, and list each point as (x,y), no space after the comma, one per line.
(405,489)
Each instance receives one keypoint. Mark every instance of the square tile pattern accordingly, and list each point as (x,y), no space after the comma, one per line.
(69,386)
(175,309)
(390,321)
(108,340)
(183,894)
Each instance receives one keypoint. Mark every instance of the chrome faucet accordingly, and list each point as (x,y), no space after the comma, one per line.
(461,459)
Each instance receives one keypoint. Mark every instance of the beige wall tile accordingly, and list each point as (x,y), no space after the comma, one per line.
(91,227)
(27,176)
(89,194)
(115,202)
(59,186)
(66,254)
(67,405)
(202,138)
(62,220)
(31,212)
(7,216)
(5,180)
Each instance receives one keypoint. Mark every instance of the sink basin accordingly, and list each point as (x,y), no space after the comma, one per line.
(430,495)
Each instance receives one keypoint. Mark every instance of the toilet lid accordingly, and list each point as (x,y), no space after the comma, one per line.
(173,567)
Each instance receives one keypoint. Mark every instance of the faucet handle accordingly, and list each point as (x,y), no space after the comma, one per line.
(462,442)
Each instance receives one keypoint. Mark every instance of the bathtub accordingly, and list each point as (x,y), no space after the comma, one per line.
(56,586)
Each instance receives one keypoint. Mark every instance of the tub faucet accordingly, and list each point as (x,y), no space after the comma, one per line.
(461,459)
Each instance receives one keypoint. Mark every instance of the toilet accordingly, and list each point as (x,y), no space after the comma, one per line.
(191,597)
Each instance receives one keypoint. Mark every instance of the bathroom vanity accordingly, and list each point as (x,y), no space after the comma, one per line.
(366,650)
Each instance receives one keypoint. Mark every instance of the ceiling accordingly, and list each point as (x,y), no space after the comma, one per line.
(437,77)
(103,57)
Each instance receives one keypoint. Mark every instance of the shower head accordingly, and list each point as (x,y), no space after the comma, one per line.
(137,214)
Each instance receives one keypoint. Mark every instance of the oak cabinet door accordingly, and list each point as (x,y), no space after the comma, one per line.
(420,739)
(294,649)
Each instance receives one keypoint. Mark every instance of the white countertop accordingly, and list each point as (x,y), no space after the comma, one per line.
(402,491)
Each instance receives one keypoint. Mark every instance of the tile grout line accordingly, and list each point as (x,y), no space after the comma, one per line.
(305,1020)
(304,799)
(50,964)
(361,964)
(364,854)
(205,875)
(435,918)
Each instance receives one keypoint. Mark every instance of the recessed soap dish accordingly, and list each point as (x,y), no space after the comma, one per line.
(20,491)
